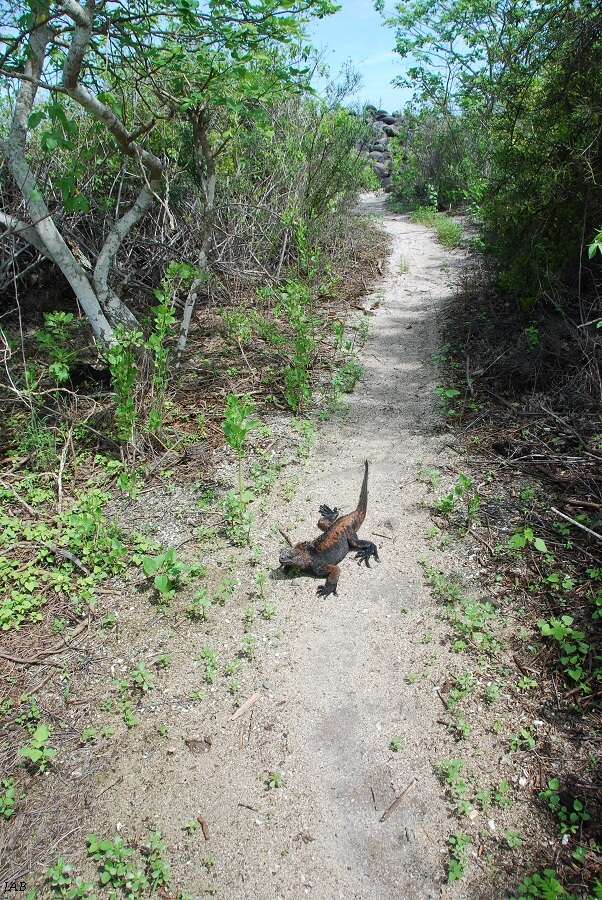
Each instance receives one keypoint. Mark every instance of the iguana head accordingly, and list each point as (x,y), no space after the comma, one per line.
(294,557)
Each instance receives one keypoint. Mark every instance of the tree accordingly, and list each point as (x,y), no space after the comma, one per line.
(68,62)
(526,79)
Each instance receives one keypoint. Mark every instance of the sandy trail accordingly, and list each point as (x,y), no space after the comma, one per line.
(343,675)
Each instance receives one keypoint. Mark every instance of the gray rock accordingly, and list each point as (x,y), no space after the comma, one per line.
(381,114)
(382,169)
(391,130)
(389,120)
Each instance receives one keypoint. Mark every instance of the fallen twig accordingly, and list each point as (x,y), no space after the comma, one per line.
(245,706)
(66,554)
(286,537)
(391,809)
(576,523)
(19,499)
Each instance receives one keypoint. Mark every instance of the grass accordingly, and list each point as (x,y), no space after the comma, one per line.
(448,232)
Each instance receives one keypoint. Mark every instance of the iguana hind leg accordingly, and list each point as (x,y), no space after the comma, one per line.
(328,517)
(365,550)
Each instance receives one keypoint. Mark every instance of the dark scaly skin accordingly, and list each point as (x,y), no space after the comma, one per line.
(321,556)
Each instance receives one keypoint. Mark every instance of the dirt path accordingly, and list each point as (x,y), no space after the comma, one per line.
(337,678)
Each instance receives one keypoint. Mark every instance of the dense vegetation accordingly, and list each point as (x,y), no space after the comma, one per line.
(153,159)
(507,119)
(505,126)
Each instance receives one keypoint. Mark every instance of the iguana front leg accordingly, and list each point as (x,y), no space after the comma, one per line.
(332,577)
(365,549)
(328,517)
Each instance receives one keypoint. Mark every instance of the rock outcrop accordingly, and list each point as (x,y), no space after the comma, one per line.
(385,126)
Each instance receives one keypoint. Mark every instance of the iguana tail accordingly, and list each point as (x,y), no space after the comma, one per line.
(362,504)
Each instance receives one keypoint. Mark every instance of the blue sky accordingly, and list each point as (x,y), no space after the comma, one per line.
(357,33)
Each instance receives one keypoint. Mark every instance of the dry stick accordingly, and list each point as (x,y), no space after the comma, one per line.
(19,499)
(66,554)
(391,809)
(576,523)
(62,464)
(286,537)
(245,706)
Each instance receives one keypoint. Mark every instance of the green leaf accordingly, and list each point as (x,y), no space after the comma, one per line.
(35,118)
(161,582)
(41,734)
(540,545)
(151,565)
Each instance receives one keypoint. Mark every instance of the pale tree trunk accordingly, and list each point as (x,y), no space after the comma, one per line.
(42,226)
(101,305)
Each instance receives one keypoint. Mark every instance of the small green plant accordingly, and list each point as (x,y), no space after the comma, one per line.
(429,476)
(542,886)
(450,773)
(307,437)
(157,868)
(513,839)
(178,276)
(190,827)
(294,306)
(142,679)
(573,648)
(122,360)
(115,866)
(525,538)
(483,799)
(248,618)
(53,339)
(492,694)
(268,611)
(37,751)
(208,862)
(460,728)
(88,735)
(458,845)
(532,336)
(249,645)
(224,590)
(199,606)
(395,744)
(501,795)
(211,661)
(273,780)
(524,740)
(237,426)
(7,798)
(462,688)
(62,882)
(571,818)
(526,683)
(167,572)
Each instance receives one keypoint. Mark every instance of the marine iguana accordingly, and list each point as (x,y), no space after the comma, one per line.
(320,556)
